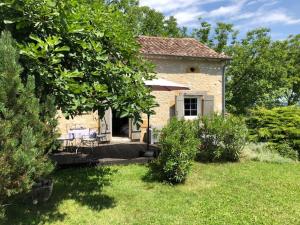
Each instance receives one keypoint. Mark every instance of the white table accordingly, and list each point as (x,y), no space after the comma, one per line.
(79,133)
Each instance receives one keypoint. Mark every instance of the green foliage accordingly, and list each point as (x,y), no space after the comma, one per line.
(258,74)
(146,21)
(178,144)
(283,149)
(278,125)
(171,28)
(2,213)
(203,33)
(82,52)
(262,72)
(222,138)
(25,135)
(149,22)
(222,31)
(219,38)
(293,93)
(261,152)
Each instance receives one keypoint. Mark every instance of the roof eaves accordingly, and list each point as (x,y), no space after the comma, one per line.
(187,56)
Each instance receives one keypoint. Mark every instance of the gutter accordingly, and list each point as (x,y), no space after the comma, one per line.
(223,90)
(224,87)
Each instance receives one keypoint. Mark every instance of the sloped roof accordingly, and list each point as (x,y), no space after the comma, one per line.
(186,47)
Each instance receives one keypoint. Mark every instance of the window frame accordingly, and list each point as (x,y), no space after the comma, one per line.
(190,106)
(197,108)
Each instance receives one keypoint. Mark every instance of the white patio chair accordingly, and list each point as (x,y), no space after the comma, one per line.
(89,140)
(67,141)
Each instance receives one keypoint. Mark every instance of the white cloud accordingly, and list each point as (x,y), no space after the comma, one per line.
(266,17)
(227,10)
(188,18)
(167,5)
(262,2)
(245,14)
(174,5)
(186,12)
(278,17)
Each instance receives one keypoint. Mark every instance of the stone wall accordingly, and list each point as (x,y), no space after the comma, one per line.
(206,77)
(88,120)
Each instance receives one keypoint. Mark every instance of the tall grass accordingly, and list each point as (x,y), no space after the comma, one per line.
(258,152)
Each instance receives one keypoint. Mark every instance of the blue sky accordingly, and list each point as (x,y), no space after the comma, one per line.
(282,16)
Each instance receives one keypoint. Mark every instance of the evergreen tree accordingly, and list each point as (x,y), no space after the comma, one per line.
(24,136)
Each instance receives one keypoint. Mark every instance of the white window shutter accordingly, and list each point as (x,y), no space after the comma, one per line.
(180,106)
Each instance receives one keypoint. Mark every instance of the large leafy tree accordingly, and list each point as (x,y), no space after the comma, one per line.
(217,38)
(172,29)
(222,35)
(262,72)
(203,33)
(293,93)
(258,72)
(149,22)
(145,20)
(82,52)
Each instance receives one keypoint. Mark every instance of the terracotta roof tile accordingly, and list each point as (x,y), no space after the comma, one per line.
(188,47)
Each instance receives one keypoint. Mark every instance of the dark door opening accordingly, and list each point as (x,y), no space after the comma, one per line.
(120,126)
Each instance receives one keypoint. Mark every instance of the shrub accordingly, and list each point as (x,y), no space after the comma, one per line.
(25,137)
(277,125)
(1,213)
(222,138)
(260,152)
(178,145)
(283,149)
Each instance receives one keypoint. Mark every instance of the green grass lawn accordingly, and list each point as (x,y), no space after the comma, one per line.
(241,193)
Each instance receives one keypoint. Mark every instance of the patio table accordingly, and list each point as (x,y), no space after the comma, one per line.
(78,134)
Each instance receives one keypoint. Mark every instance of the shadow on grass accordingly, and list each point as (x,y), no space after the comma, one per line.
(154,175)
(151,177)
(83,185)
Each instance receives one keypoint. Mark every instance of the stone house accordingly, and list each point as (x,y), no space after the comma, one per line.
(184,61)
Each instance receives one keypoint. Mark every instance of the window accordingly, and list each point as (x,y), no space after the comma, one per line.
(190,107)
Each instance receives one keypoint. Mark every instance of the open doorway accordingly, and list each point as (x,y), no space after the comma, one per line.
(120,126)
